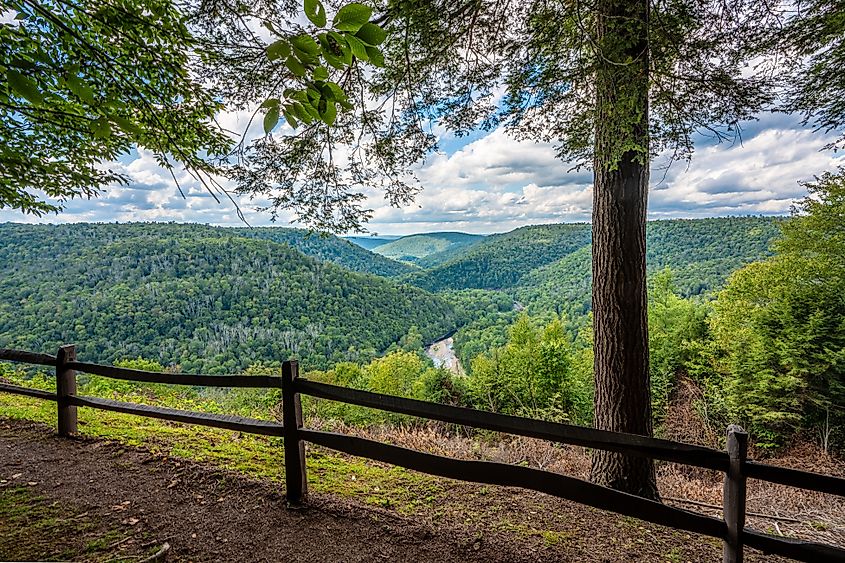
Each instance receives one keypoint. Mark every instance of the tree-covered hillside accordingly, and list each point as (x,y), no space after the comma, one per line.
(429,249)
(202,298)
(701,253)
(320,246)
(500,261)
(330,248)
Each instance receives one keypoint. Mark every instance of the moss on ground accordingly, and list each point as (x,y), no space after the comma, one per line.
(32,527)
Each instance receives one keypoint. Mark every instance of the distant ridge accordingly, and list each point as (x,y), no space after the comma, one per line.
(554,260)
(427,249)
(371,242)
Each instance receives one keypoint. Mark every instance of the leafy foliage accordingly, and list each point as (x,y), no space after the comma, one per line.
(499,261)
(329,248)
(674,324)
(701,254)
(401,373)
(815,33)
(779,326)
(82,83)
(532,375)
(199,299)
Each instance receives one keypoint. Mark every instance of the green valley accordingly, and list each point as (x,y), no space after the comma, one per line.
(196,298)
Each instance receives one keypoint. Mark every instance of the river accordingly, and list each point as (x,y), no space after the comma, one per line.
(442,353)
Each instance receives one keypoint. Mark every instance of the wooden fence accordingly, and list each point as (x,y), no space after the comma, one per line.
(734,463)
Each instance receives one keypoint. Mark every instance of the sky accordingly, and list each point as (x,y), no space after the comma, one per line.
(491,182)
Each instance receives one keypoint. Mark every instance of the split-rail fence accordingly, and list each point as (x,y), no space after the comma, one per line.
(734,462)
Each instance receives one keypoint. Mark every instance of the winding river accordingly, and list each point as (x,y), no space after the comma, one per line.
(443,355)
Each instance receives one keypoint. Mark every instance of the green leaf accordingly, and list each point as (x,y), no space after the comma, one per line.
(270,103)
(278,50)
(291,119)
(371,34)
(306,44)
(328,112)
(340,47)
(337,92)
(295,67)
(352,16)
(271,119)
(357,47)
(335,50)
(127,125)
(376,56)
(334,61)
(311,109)
(80,89)
(24,87)
(320,74)
(315,12)
(312,93)
(299,111)
(101,128)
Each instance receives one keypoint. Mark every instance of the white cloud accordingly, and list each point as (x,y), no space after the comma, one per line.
(495,183)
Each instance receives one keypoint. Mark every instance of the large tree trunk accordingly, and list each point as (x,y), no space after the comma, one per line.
(621,164)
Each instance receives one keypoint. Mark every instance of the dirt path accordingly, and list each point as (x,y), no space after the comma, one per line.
(207,514)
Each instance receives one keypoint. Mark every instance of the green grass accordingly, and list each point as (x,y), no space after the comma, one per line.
(405,492)
(255,456)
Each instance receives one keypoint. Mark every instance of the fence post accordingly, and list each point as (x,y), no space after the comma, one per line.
(733,497)
(66,387)
(296,482)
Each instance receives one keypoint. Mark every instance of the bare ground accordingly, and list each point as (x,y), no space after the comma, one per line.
(142,500)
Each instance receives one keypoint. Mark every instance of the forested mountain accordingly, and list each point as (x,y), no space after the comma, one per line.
(429,249)
(499,261)
(330,248)
(321,246)
(701,253)
(203,298)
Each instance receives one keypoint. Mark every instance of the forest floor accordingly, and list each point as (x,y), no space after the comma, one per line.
(127,485)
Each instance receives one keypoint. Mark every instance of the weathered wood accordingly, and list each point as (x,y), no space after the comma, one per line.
(795,478)
(733,495)
(494,473)
(25,357)
(733,463)
(66,389)
(253,381)
(228,422)
(296,480)
(552,431)
(28,391)
(799,550)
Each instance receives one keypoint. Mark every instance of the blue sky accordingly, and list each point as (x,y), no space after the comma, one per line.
(492,183)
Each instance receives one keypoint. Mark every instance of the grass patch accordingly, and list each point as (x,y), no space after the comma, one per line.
(255,456)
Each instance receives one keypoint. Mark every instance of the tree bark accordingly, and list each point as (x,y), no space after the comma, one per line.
(620,194)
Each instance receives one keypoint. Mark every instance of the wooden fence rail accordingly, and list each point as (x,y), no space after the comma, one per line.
(734,463)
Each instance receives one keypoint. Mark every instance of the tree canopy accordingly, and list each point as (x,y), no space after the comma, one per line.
(83,84)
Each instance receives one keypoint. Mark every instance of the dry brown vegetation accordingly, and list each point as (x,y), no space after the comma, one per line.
(773,508)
